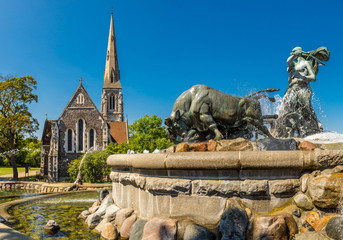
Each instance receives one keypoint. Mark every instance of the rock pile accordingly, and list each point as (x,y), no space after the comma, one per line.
(310,215)
(241,144)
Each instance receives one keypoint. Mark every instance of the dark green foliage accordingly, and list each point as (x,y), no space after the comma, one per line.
(115,148)
(30,153)
(94,168)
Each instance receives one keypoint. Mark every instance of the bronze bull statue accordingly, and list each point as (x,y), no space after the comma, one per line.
(202,113)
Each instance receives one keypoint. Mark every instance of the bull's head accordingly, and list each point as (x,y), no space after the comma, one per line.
(177,128)
(250,108)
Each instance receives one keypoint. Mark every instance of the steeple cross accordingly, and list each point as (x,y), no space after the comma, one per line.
(112,10)
(80,79)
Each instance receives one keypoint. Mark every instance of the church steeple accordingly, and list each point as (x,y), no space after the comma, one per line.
(112,98)
(112,73)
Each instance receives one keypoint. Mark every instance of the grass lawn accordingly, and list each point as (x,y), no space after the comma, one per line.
(8,170)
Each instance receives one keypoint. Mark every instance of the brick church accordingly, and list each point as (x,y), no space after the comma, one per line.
(81,126)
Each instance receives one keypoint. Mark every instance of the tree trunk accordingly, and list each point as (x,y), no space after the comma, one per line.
(14,166)
(12,160)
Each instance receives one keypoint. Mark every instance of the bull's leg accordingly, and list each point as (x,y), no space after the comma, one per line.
(207,119)
(260,127)
(192,135)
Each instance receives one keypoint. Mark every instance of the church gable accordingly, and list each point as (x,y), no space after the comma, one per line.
(80,100)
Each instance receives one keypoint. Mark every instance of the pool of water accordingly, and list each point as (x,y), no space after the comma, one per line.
(33,216)
(9,195)
(15,192)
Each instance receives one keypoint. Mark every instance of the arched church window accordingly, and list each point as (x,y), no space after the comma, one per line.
(80,134)
(70,140)
(91,138)
(112,102)
(80,99)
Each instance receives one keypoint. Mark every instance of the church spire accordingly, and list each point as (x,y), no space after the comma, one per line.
(112,73)
(112,107)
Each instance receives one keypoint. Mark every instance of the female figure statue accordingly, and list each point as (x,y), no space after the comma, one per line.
(296,114)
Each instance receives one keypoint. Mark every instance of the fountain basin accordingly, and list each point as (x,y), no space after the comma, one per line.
(30,215)
(197,185)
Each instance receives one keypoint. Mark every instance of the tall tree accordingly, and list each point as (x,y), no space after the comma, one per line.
(15,119)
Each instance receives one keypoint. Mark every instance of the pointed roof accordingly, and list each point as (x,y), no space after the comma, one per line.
(111,73)
(88,102)
(46,135)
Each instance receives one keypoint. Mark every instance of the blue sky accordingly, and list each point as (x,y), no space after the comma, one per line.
(165,47)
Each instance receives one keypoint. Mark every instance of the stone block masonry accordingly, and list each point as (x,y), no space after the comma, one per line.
(197,185)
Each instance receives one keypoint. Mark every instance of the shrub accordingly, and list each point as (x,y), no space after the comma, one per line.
(94,168)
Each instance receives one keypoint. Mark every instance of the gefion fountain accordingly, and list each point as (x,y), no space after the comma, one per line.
(217,184)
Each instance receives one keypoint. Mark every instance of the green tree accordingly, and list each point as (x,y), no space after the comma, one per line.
(15,119)
(30,153)
(147,133)
(115,148)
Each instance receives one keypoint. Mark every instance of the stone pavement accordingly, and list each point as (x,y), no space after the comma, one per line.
(7,233)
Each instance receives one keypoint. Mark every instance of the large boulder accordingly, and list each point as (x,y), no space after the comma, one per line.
(121,215)
(234,221)
(160,229)
(103,193)
(52,227)
(93,220)
(238,144)
(198,147)
(111,212)
(108,201)
(326,190)
(101,225)
(211,145)
(334,228)
(282,227)
(307,146)
(316,221)
(94,207)
(136,230)
(303,202)
(109,232)
(197,232)
(126,226)
(182,147)
(84,214)
(312,236)
(274,144)
(187,230)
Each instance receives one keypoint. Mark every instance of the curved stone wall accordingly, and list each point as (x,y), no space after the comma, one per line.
(197,185)
(43,187)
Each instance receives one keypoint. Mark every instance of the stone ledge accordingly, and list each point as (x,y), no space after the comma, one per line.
(300,160)
(43,187)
